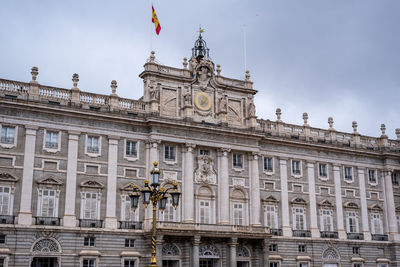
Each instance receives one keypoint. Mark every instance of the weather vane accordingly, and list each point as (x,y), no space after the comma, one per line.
(200,30)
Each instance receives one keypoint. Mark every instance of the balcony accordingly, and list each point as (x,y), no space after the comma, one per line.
(130,225)
(328,234)
(355,236)
(301,233)
(7,140)
(6,219)
(93,149)
(51,145)
(277,232)
(54,221)
(380,237)
(90,223)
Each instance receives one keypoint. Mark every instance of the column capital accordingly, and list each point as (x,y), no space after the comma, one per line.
(113,137)
(283,161)
(336,167)
(73,132)
(223,151)
(255,155)
(360,170)
(196,240)
(153,142)
(310,164)
(189,147)
(388,171)
(233,241)
(31,127)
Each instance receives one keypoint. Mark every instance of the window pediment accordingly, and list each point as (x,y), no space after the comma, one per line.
(92,184)
(51,180)
(6,177)
(326,203)
(299,201)
(271,199)
(350,205)
(127,187)
(375,207)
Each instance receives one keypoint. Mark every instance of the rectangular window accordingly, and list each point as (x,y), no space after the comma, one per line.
(376,224)
(273,247)
(89,262)
(204,152)
(352,222)
(356,250)
(127,213)
(48,203)
(88,241)
(2,239)
(129,243)
(129,263)
(372,176)
(90,206)
(326,220)
(169,153)
(296,167)
(357,264)
(51,139)
(395,179)
(303,264)
(268,165)
(131,149)
(2,262)
(169,213)
(299,219)
(7,134)
(348,173)
(5,199)
(204,211)
(271,216)
(237,160)
(322,168)
(274,264)
(93,144)
(302,248)
(238,212)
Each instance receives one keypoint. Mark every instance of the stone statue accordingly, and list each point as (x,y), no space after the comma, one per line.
(204,76)
(154,94)
(222,105)
(252,110)
(187,98)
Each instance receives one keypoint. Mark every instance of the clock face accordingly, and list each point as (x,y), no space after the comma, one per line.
(203,101)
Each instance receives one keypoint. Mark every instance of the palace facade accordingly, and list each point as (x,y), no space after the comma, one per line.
(255,192)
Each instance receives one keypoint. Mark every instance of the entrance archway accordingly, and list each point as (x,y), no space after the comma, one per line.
(209,256)
(46,253)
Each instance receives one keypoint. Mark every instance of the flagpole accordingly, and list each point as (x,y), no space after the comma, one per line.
(151,35)
(244,48)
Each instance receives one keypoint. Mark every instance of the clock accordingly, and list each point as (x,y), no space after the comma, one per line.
(203,101)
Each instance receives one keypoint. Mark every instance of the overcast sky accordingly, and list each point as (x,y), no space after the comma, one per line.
(336,58)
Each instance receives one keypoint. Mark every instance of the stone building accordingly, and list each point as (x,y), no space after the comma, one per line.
(255,192)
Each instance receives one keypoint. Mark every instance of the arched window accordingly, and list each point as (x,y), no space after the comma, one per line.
(239,207)
(205,205)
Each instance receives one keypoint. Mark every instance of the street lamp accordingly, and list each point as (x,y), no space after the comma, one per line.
(152,193)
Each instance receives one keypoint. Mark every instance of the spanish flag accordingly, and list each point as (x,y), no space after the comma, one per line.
(154,19)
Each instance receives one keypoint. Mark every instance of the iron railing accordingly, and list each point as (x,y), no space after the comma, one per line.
(6,219)
(51,145)
(55,221)
(355,236)
(7,140)
(93,149)
(130,225)
(90,223)
(301,233)
(277,232)
(329,234)
(380,237)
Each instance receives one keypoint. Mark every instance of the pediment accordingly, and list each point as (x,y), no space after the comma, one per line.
(127,187)
(92,184)
(325,203)
(375,207)
(6,177)
(270,198)
(51,180)
(298,200)
(350,205)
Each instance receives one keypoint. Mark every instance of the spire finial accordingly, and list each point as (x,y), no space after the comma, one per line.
(200,31)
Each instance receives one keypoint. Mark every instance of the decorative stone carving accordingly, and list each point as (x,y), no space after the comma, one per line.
(205,172)
(50,180)
(45,246)
(354,125)
(330,122)
(208,251)
(187,97)
(75,80)
(305,118)
(383,130)
(92,184)
(278,113)
(154,94)
(242,252)
(6,177)
(203,76)
(251,110)
(234,112)
(238,182)
(170,250)
(169,102)
(222,104)
(330,254)
(34,73)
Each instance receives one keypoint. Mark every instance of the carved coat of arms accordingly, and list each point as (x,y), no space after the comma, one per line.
(205,172)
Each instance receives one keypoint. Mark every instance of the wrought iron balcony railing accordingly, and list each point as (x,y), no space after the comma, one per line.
(55,221)
(355,236)
(93,149)
(329,234)
(7,140)
(277,232)
(6,219)
(380,237)
(51,145)
(130,225)
(301,233)
(90,223)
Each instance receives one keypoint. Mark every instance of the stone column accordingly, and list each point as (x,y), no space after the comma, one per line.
(25,212)
(390,207)
(364,206)
(339,203)
(255,192)
(70,194)
(224,187)
(286,229)
(265,250)
(195,256)
(111,218)
(232,251)
(188,187)
(313,202)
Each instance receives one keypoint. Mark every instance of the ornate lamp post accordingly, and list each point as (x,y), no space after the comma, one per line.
(157,196)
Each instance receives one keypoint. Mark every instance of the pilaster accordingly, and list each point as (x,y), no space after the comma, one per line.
(286,229)
(255,191)
(232,251)
(313,203)
(111,218)
(224,187)
(69,219)
(339,203)
(25,212)
(390,207)
(195,256)
(188,186)
(364,206)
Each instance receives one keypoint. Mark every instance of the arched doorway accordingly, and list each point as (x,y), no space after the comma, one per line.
(46,253)
(209,256)
(170,255)
(331,258)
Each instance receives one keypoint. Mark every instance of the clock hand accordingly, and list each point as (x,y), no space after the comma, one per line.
(202,101)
